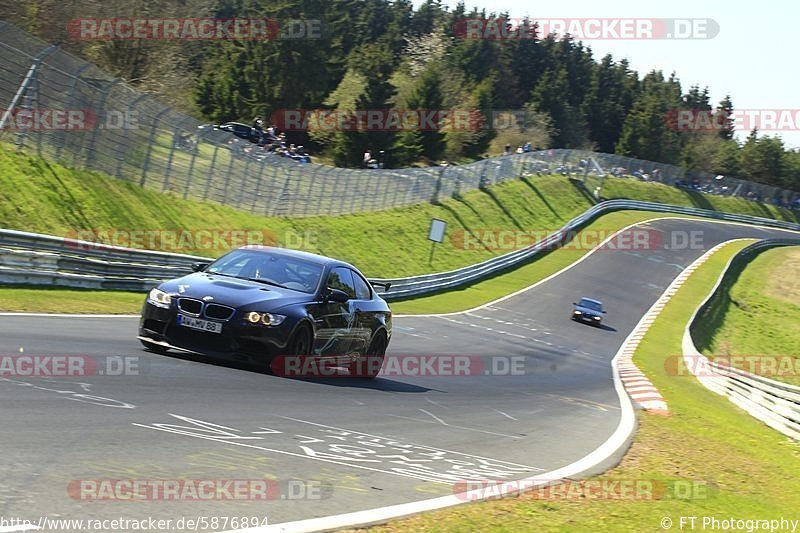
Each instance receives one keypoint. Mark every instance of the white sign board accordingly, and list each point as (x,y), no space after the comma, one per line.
(437,230)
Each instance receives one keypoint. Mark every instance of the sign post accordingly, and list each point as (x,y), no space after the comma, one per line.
(436,234)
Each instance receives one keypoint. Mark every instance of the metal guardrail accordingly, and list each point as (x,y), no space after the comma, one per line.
(775,403)
(430,283)
(34,259)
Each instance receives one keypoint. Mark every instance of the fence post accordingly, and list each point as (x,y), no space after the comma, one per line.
(244,181)
(258,187)
(126,134)
(146,163)
(71,102)
(228,179)
(210,168)
(31,78)
(101,112)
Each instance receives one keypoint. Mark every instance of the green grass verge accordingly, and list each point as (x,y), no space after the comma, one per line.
(743,469)
(39,196)
(757,321)
(70,301)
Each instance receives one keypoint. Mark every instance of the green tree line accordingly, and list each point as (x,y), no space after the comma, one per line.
(386,54)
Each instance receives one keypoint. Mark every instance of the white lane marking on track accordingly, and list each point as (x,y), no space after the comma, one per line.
(436,403)
(379,437)
(442,422)
(504,414)
(226,437)
(465,428)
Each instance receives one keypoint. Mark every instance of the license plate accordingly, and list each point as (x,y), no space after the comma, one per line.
(199,324)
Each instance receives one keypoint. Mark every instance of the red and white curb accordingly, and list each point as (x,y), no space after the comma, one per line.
(643,393)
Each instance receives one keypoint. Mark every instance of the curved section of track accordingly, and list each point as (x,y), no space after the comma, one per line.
(353,445)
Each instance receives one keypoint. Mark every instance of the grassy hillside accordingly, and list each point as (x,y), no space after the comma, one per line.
(758,320)
(39,196)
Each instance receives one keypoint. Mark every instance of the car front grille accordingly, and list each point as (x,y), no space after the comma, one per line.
(190,306)
(218,312)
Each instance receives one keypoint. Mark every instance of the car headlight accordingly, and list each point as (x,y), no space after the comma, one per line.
(597,318)
(267,319)
(577,313)
(159,298)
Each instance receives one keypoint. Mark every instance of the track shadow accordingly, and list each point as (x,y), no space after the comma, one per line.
(604,327)
(471,207)
(503,208)
(379,383)
(464,225)
(700,200)
(343,380)
(581,188)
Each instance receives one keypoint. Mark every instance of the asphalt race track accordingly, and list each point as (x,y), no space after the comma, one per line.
(333,445)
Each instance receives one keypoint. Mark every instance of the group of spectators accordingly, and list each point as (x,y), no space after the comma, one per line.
(522,149)
(273,142)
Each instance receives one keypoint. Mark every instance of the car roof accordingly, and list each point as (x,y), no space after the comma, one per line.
(598,302)
(298,254)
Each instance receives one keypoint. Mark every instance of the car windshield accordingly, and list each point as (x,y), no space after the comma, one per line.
(269,268)
(589,304)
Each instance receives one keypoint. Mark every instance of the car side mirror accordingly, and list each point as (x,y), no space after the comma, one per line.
(573,303)
(199,267)
(335,295)
(604,312)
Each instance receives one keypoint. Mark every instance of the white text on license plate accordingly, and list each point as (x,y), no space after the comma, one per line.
(199,324)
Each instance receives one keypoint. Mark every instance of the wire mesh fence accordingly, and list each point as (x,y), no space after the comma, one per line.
(68,110)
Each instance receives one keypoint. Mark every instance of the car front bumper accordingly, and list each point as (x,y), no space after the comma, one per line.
(255,342)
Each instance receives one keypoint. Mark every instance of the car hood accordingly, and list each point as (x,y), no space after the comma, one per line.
(587,311)
(233,292)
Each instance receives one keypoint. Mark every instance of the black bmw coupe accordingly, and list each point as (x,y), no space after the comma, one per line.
(260,303)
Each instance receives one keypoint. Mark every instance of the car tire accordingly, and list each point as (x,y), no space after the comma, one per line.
(301,342)
(153,347)
(374,357)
